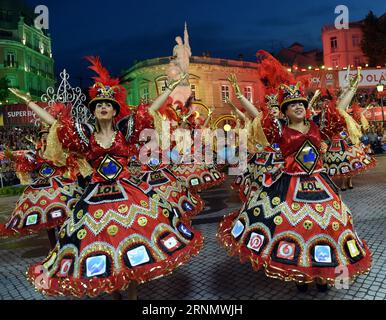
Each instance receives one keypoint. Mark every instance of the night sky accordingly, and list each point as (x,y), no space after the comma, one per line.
(123,31)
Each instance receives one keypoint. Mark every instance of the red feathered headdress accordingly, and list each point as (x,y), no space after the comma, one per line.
(272,71)
(105,87)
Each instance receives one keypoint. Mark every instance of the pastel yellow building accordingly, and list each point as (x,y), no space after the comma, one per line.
(207,76)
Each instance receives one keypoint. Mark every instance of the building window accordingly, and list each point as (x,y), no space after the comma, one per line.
(334,43)
(356,40)
(224,93)
(248,93)
(193,88)
(163,86)
(10,60)
(6,15)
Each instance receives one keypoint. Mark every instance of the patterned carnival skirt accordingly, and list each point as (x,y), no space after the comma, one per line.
(296,228)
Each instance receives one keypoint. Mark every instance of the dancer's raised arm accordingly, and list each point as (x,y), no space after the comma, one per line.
(348,94)
(314,100)
(160,100)
(210,112)
(244,101)
(239,114)
(40,112)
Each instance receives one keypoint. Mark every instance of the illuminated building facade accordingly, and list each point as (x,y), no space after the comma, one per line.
(25,51)
(342,47)
(207,77)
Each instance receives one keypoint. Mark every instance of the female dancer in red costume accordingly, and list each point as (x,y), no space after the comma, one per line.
(345,156)
(160,176)
(297,227)
(47,200)
(265,157)
(121,232)
(196,176)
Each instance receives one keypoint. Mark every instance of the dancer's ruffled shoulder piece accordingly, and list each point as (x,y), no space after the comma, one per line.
(64,145)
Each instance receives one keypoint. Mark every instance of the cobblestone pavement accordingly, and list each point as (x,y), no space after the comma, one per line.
(214,275)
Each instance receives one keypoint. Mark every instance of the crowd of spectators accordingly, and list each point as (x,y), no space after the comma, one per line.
(15,138)
(375,137)
(8,174)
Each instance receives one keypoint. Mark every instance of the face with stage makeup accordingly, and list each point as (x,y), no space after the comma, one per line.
(104,111)
(295,112)
(274,112)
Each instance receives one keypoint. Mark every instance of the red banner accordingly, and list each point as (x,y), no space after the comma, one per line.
(17,115)
(320,78)
(375,114)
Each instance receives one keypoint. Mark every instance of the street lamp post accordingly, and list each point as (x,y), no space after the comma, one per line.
(380,90)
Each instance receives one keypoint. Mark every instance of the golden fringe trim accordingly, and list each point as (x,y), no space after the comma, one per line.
(303,278)
(353,127)
(256,134)
(54,150)
(233,248)
(24,177)
(163,135)
(85,168)
(364,122)
(94,287)
(58,155)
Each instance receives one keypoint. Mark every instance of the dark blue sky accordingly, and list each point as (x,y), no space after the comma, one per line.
(121,31)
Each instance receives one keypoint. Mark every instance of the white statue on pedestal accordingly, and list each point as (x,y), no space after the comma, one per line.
(178,65)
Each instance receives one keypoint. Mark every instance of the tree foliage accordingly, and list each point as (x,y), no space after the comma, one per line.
(374,39)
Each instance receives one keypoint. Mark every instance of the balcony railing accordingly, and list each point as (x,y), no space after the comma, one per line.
(39,72)
(11,64)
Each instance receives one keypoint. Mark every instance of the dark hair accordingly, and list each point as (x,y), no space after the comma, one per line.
(93,103)
(284,107)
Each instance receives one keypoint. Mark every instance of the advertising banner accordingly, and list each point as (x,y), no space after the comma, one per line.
(17,115)
(375,114)
(369,77)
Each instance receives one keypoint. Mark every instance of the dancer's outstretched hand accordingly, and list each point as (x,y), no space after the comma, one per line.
(233,80)
(354,81)
(174,83)
(26,97)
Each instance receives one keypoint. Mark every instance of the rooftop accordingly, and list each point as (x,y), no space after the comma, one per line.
(193,60)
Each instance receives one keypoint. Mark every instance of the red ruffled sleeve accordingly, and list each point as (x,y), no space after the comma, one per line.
(143,120)
(68,145)
(69,136)
(332,121)
(25,163)
(271,129)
